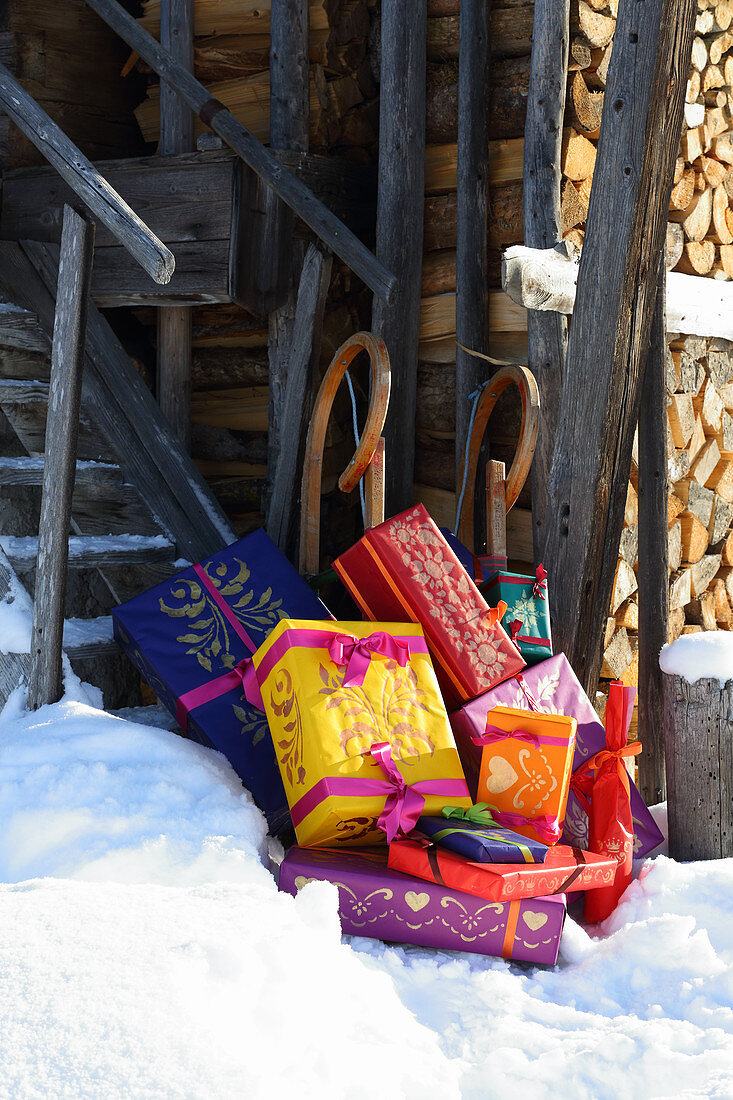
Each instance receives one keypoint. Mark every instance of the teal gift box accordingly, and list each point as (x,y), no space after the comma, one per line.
(527,617)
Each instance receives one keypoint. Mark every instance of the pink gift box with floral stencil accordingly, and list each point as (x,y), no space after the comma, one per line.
(404,570)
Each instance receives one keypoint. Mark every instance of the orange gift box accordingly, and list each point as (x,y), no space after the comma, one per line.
(526,761)
(564,869)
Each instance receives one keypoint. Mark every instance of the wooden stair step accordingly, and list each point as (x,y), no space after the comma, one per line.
(89,638)
(17,391)
(19,328)
(29,471)
(93,551)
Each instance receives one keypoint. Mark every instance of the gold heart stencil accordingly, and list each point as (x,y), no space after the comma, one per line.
(501,775)
(301,881)
(535,920)
(416,901)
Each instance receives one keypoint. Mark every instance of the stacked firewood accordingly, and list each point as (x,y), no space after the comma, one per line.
(699,382)
(700,241)
(232,57)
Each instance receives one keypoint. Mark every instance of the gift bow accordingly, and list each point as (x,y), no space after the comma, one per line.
(514,627)
(493,733)
(540,584)
(581,781)
(403,805)
(356,653)
(546,827)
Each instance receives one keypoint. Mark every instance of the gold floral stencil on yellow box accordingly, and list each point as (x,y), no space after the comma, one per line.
(324,723)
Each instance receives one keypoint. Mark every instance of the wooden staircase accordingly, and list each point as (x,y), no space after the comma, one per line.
(140,507)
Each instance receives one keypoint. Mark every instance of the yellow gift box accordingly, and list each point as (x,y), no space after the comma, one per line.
(359,728)
(525,769)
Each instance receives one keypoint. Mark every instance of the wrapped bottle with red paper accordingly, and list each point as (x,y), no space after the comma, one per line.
(603,788)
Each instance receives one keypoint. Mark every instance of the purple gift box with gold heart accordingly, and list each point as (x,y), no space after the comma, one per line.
(553,688)
(387,905)
(191,637)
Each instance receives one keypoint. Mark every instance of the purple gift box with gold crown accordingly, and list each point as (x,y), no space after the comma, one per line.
(552,687)
(388,905)
(191,638)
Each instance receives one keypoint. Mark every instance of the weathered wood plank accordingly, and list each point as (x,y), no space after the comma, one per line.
(275,262)
(300,369)
(45,683)
(86,181)
(698,720)
(400,208)
(546,333)
(290,189)
(609,337)
(127,415)
(93,551)
(176,136)
(472,209)
(653,572)
(19,329)
(29,471)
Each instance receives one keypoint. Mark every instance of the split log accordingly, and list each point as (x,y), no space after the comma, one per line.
(676,624)
(578,155)
(680,589)
(694,538)
(545,279)
(706,463)
(696,218)
(702,573)
(681,418)
(674,546)
(617,656)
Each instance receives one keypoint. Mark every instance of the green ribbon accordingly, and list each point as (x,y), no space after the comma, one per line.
(480,814)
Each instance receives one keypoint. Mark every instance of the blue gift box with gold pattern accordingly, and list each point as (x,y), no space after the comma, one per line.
(458,831)
(191,638)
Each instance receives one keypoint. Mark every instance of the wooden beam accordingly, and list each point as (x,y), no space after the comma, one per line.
(609,337)
(472,209)
(62,429)
(300,366)
(653,557)
(545,279)
(86,181)
(546,332)
(290,189)
(278,260)
(400,203)
(176,136)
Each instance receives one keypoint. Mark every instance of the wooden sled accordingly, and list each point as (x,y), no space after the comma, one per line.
(368,459)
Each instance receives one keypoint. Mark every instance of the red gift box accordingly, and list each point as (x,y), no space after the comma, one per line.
(564,869)
(405,569)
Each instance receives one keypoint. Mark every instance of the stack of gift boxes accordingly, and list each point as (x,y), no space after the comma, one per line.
(448,774)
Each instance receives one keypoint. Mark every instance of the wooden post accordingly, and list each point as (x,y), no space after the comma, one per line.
(698,725)
(291,190)
(176,136)
(62,427)
(289,129)
(496,513)
(472,208)
(546,332)
(653,556)
(609,337)
(400,203)
(298,362)
(83,177)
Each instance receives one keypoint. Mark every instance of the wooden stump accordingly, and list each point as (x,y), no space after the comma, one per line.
(698,723)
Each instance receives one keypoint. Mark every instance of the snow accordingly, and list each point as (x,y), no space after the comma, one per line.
(695,656)
(145,952)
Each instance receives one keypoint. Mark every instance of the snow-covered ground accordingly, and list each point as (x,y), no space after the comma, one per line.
(145,952)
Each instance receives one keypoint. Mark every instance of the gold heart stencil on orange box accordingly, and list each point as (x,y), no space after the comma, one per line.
(501,775)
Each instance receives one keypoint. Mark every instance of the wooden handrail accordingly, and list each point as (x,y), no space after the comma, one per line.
(83,177)
(214,114)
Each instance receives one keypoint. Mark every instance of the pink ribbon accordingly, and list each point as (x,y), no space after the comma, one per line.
(404,801)
(540,584)
(242,675)
(356,653)
(492,734)
(546,827)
